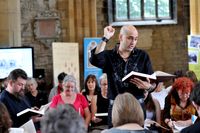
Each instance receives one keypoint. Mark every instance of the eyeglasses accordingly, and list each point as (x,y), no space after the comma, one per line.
(104,84)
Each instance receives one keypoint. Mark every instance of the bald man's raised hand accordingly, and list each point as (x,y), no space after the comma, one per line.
(109,32)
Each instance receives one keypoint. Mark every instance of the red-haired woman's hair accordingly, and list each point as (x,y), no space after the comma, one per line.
(184,84)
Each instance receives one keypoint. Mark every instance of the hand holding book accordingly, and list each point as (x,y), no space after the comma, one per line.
(157,76)
(32,112)
(140,83)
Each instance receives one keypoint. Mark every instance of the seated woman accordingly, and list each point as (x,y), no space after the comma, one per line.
(91,89)
(70,96)
(5,120)
(153,111)
(101,106)
(178,108)
(195,98)
(127,115)
(36,97)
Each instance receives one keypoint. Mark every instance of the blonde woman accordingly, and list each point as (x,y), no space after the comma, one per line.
(127,115)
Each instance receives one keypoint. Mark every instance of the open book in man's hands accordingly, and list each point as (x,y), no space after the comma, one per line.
(158,76)
(33,112)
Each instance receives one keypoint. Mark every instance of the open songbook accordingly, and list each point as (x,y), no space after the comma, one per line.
(29,127)
(101,114)
(178,126)
(148,122)
(33,112)
(158,76)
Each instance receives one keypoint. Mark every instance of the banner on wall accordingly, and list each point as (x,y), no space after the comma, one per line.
(89,44)
(194,54)
(66,59)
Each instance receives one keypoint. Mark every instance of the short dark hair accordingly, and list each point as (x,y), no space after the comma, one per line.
(62,119)
(17,73)
(61,76)
(195,95)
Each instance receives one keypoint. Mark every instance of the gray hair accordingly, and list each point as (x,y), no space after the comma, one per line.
(63,119)
(32,80)
(70,78)
(103,76)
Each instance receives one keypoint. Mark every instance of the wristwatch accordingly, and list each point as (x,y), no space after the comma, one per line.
(104,39)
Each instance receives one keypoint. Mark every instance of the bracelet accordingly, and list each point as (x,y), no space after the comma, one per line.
(167,122)
(104,39)
(150,89)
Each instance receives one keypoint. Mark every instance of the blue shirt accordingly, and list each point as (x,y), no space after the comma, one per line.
(14,106)
(116,68)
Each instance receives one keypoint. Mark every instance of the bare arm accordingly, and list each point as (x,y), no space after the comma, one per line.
(158,111)
(87,116)
(108,33)
(94,106)
(94,110)
(184,122)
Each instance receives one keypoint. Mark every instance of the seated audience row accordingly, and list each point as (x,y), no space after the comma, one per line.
(178,109)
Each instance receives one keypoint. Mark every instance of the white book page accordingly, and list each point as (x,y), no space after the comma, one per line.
(101,114)
(45,107)
(29,127)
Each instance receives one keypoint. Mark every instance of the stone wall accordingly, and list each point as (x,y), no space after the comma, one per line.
(166,44)
(42,53)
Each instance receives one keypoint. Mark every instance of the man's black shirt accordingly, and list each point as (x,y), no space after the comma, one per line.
(116,68)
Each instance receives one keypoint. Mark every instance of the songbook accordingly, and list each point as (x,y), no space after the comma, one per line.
(163,76)
(29,127)
(157,76)
(178,126)
(148,122)
(15,130)
(101,114)
(33,112)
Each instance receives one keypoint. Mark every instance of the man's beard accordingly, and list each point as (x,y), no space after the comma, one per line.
(19,94)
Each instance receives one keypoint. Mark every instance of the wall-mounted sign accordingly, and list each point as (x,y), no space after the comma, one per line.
(47,27)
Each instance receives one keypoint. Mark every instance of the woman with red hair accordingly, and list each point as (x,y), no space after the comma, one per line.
(178,108)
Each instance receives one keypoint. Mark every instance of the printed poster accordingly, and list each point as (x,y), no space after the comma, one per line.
(89,44)
(194,54)
(66,59)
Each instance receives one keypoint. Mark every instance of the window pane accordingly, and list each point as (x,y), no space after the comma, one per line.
(135,9)
(163,8)
(121,9)
(149,8)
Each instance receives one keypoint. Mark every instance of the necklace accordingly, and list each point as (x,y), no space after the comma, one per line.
(125,57)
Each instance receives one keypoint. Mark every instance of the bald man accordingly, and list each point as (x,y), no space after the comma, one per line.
(121,60)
